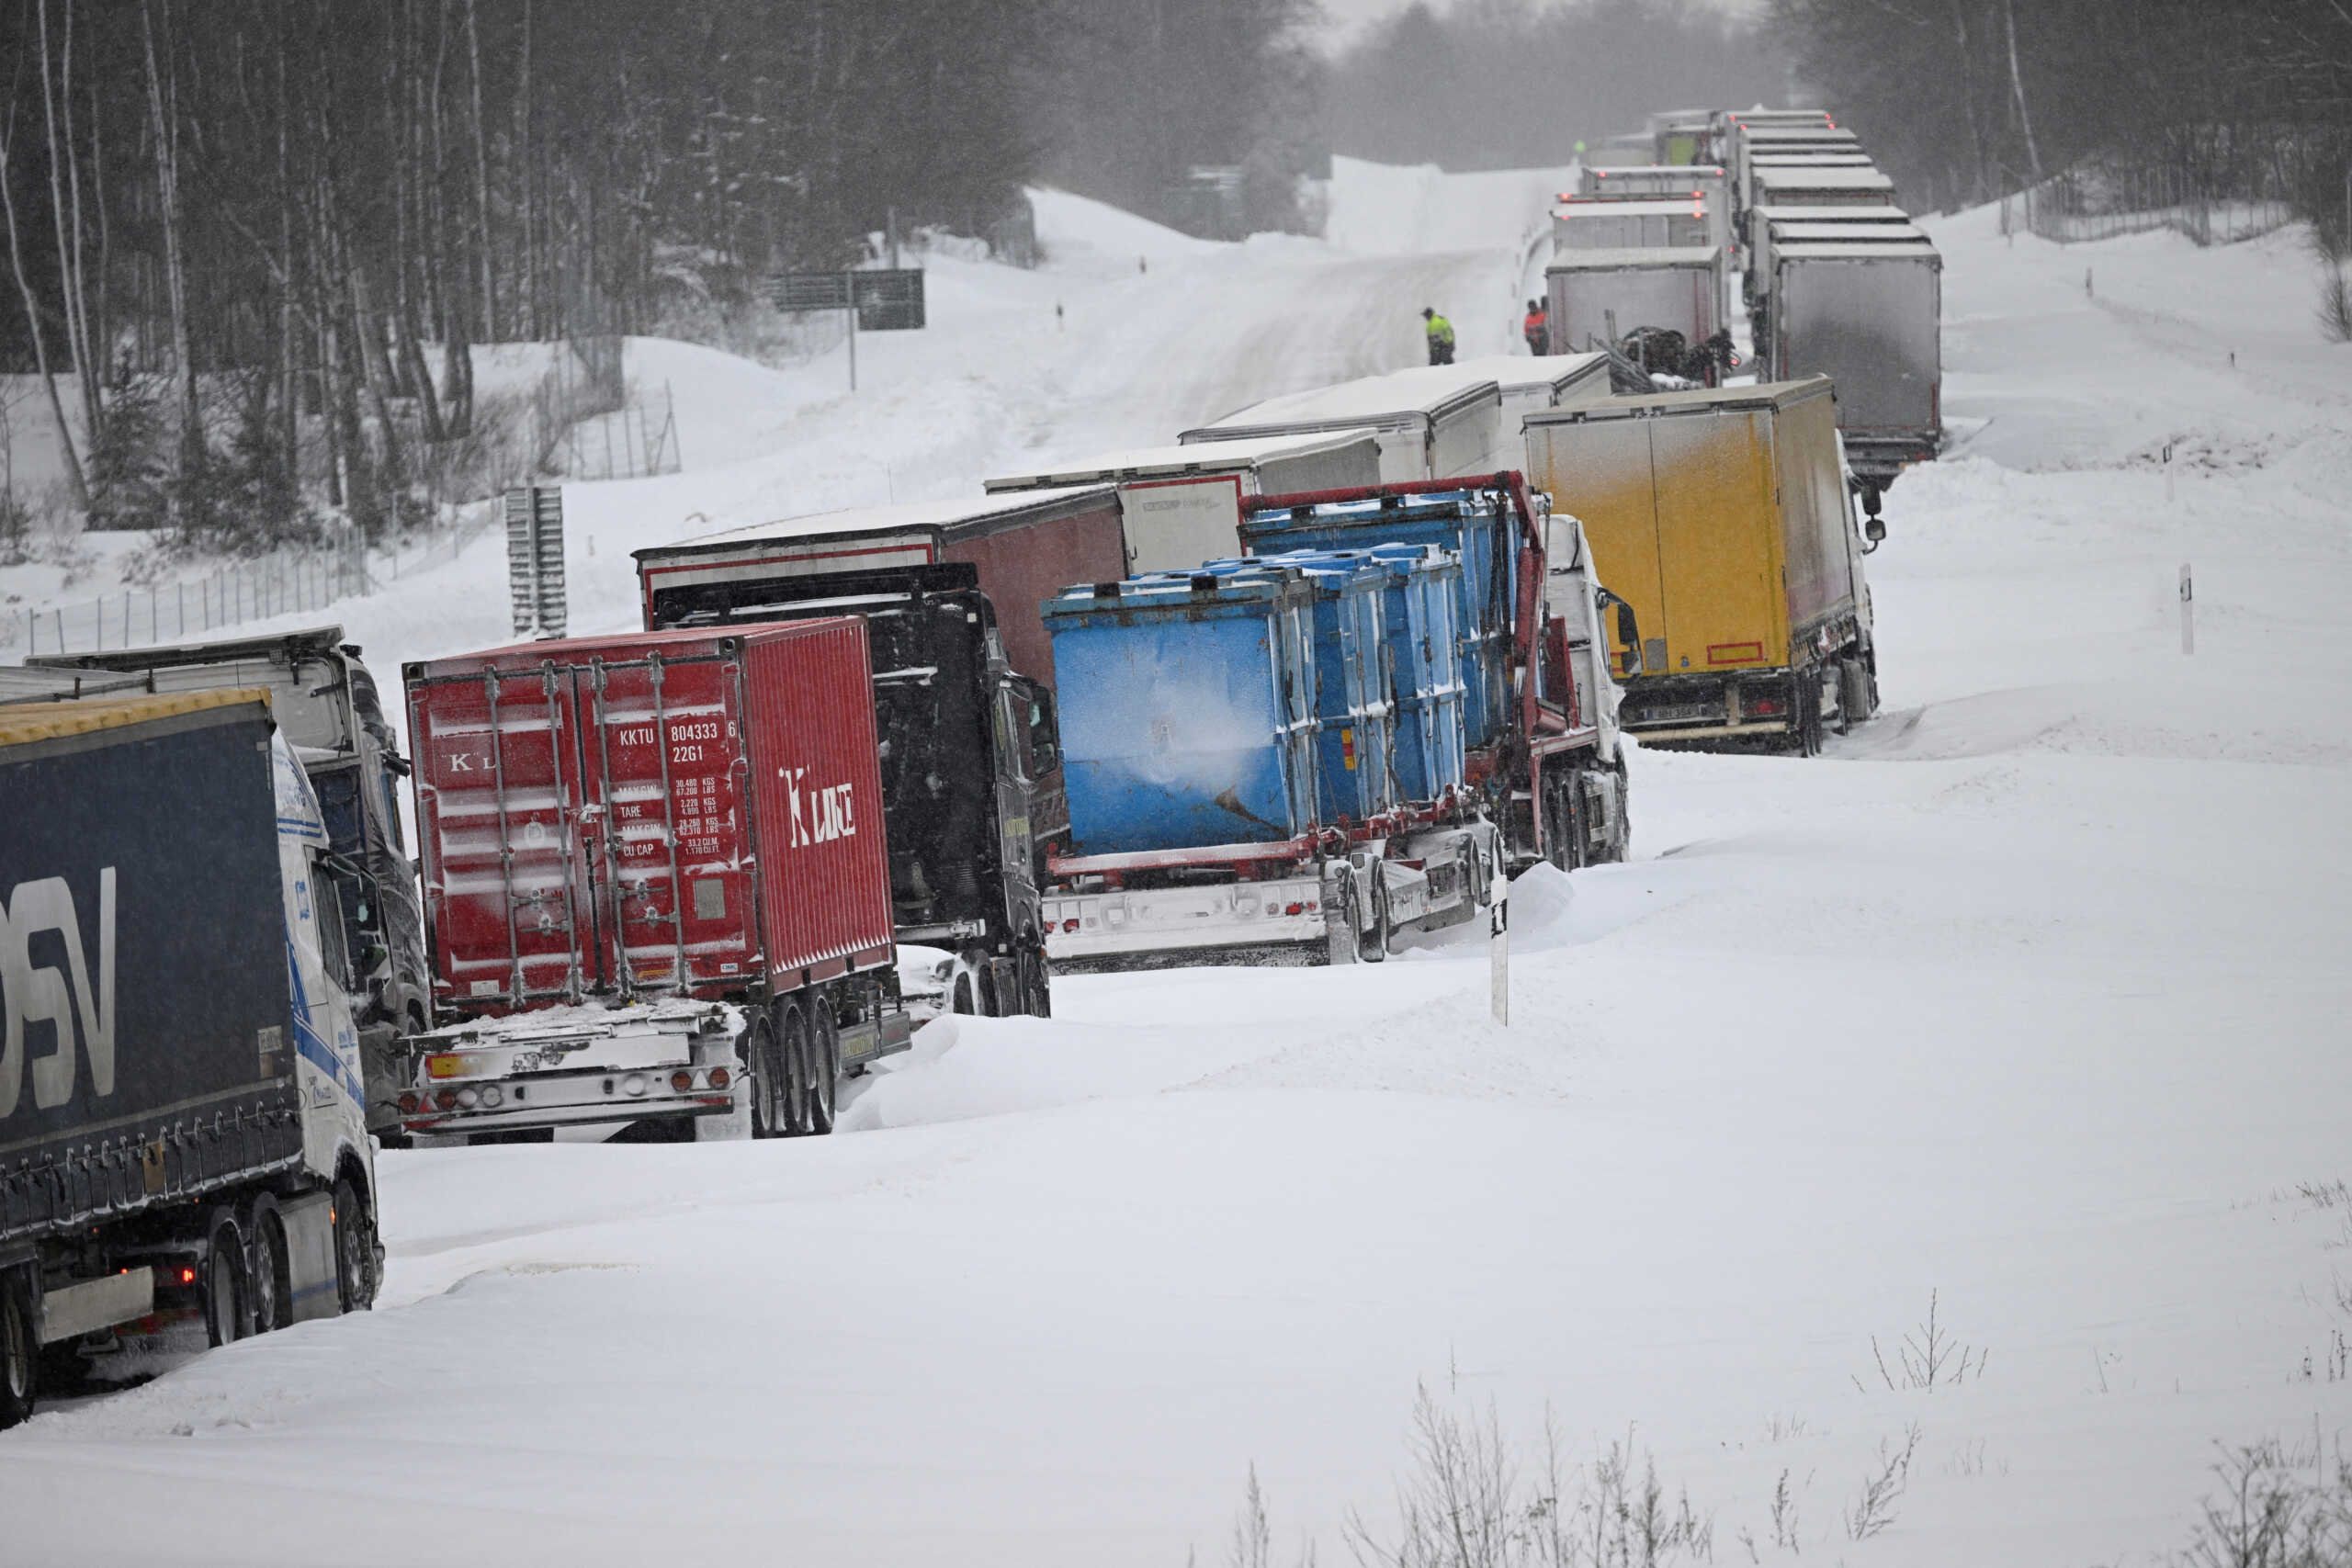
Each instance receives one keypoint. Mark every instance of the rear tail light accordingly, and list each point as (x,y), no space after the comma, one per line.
(1294,908)
(446,1099)
(409,1102)
(493,1097)
(680,1081)
(467,1098)
(1070,925)
(721,1077)
(1766,705)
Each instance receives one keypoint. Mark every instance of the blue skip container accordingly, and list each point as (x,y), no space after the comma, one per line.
(1467,524)
(1416,673)
(1187,708)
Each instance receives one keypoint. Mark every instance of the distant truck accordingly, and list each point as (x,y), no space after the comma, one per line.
(1433,422)
(1756,259)
(1181,505)
(1627,222)
(183,1135)
(1603,296)
(656,880)
(972,797)
(1865,308)
(1812,184)
(1724,517)
(326,706)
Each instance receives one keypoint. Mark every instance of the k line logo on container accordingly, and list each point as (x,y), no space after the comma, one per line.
(818,815)
(33,994)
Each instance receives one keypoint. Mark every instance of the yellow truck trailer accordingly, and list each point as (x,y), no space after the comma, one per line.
(1724,518)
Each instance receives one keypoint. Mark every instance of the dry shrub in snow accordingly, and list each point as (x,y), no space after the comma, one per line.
(2277,1509)
(1469,1501)
(1929,1358)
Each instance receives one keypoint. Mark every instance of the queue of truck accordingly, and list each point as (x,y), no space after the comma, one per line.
(1305,682)
(1781,213)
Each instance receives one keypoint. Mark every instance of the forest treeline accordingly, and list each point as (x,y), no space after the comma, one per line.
(1964,100)
(1514,84)
(252,240)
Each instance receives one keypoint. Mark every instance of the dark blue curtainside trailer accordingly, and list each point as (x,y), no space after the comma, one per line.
(181,1128)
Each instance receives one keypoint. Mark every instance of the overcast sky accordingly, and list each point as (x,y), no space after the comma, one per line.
(1344,18)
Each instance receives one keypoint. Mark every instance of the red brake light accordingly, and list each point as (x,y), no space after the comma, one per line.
(721,1077)
(682,1080)
(1070,925)
(446,1099)
(1294,908)
(409,1103)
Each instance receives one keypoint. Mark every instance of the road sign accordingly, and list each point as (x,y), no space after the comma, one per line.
(886,300)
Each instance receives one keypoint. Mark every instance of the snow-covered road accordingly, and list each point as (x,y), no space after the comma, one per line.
(2027,1000)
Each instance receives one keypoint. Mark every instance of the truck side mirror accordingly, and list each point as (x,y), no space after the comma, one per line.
(1874,529)
(1629,632)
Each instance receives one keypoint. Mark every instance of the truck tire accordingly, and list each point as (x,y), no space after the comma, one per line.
(1376,935)
(1345,946)
(355,1249)
(1041,985)
(798,1071)
(19,1350)
(227,1301)
(825,1067)
(758,1055)
(267,1265)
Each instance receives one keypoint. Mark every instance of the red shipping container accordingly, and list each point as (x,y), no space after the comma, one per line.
(687,811)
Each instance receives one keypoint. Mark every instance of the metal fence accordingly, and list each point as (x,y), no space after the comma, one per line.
(285,583)
(2101,200)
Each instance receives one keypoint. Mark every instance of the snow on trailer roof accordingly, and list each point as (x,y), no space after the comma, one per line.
(1629,206)
(1791,159)
(980,514)
(1521,373)
(1816,177)
(1642,405)
(55,721)
(1816,231)
(1921,249)
(1801,212)
(1209,457)
(1619,256)
(1424,393)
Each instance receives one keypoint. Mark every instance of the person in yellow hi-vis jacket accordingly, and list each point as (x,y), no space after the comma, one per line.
(1441,334)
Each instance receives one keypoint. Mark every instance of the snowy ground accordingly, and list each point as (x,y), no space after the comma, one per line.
(2028,998)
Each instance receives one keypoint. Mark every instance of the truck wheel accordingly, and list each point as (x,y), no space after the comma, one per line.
(19,1350)
(266,1266)
(758,1052)
(1041,985)
(797,1088)
(1339,923)
(824,1068)
(963,998)
(226,1302)
(355,1249)
(1376,938)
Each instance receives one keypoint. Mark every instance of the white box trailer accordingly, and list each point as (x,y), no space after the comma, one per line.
(1599,297)
(1182,504)
(1870,317)
(1433,422)
(1755,272)
(1615,223)
(1532,383)
(1653,179)
(1774,156)
(1804,186)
